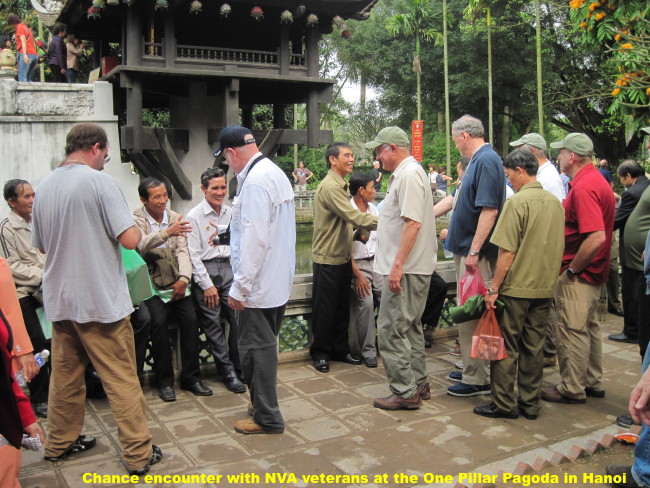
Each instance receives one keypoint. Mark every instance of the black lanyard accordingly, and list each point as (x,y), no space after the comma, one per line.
(257,160)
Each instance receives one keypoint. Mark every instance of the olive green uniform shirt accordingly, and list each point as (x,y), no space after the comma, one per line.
(531,226)
(636,232)
(334,218)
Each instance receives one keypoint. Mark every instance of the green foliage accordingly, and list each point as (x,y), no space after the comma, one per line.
(155,117)
(434,150)
(620,30)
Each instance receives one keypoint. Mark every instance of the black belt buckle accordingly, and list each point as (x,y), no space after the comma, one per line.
(219,260)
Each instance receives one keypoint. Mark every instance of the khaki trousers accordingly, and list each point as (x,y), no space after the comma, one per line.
(400,335)
(475,371)
(111,349)
(523,325)
(579,346)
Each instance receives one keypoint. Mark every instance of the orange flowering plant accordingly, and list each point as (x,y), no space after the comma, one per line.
(621,29)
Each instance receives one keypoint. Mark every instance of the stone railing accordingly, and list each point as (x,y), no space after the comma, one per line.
(295,337)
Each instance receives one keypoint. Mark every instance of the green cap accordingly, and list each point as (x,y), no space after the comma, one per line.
(389,135)
(576,142)
(532,139)
(646,130)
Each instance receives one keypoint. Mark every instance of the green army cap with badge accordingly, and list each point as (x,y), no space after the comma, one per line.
(389,135)
(576,142)
(533,139)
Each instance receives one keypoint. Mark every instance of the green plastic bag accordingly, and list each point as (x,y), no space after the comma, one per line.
(137,276)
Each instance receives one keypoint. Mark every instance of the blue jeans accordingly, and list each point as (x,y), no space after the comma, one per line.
(26,70)
(641,466)
(71,75)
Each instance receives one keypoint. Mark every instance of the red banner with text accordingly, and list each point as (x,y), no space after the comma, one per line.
(417,133)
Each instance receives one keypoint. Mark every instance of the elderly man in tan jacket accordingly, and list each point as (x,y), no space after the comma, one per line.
(27,264)
(164,229)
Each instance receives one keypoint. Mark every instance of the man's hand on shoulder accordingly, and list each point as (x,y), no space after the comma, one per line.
(179,288)
(179,227)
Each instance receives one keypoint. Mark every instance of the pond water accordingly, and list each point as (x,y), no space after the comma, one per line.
(304,235)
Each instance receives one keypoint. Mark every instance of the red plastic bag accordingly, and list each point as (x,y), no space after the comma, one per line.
(470,284)
(487,342)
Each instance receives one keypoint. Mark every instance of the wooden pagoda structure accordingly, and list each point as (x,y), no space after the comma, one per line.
(210,62)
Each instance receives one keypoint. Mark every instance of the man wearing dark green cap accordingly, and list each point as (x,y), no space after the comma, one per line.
(589,223)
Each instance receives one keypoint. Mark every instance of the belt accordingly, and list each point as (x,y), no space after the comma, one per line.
(366,259)
(217,260)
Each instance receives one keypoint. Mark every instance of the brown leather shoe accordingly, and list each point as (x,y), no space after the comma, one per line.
(425,391)
(552,395)
(249,426)
(394,402)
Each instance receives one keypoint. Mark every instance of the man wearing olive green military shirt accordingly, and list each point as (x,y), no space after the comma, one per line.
(334,218)
(531,226)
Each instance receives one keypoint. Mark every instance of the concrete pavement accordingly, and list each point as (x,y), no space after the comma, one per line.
(337,438)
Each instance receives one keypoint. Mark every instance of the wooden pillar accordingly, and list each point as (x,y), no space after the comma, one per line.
(133,85)
(312,52)
(134,34)
(247,116)
(313,118)
(231,102)
(285,55)
(279,119)
(169,42)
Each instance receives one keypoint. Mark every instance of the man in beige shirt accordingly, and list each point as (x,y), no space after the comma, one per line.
(406,256)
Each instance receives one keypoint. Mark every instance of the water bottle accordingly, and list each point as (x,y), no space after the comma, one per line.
(40,358)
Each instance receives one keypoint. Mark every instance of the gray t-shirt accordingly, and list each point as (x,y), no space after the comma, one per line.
(78,214)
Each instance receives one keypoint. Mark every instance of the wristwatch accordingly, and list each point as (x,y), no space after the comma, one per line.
(572,272)
(490,291)
(473,252)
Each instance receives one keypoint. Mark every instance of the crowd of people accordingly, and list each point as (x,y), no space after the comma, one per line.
(543,253)
(62,56)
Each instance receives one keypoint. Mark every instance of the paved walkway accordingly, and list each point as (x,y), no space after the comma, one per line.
(332,429)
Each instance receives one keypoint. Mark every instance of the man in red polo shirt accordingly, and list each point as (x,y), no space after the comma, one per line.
(589,222)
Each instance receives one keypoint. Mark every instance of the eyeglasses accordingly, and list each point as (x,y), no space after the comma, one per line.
(107,159)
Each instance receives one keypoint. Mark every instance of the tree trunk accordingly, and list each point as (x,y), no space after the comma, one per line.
(489,42)
(538,43)
(505,131)
(446,69)
(417,73)
(363,81)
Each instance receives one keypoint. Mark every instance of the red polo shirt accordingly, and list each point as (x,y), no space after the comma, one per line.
(589,207)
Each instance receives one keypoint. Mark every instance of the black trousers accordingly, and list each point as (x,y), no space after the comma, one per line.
(40,384)
(330,313)
(258,350)
(636,322)
(224,350)
(435,301)
(150,321)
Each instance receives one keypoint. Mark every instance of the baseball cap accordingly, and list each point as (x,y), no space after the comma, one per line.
(232,136)
(576,142)
(532,139)
(646,130)
(389,135)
